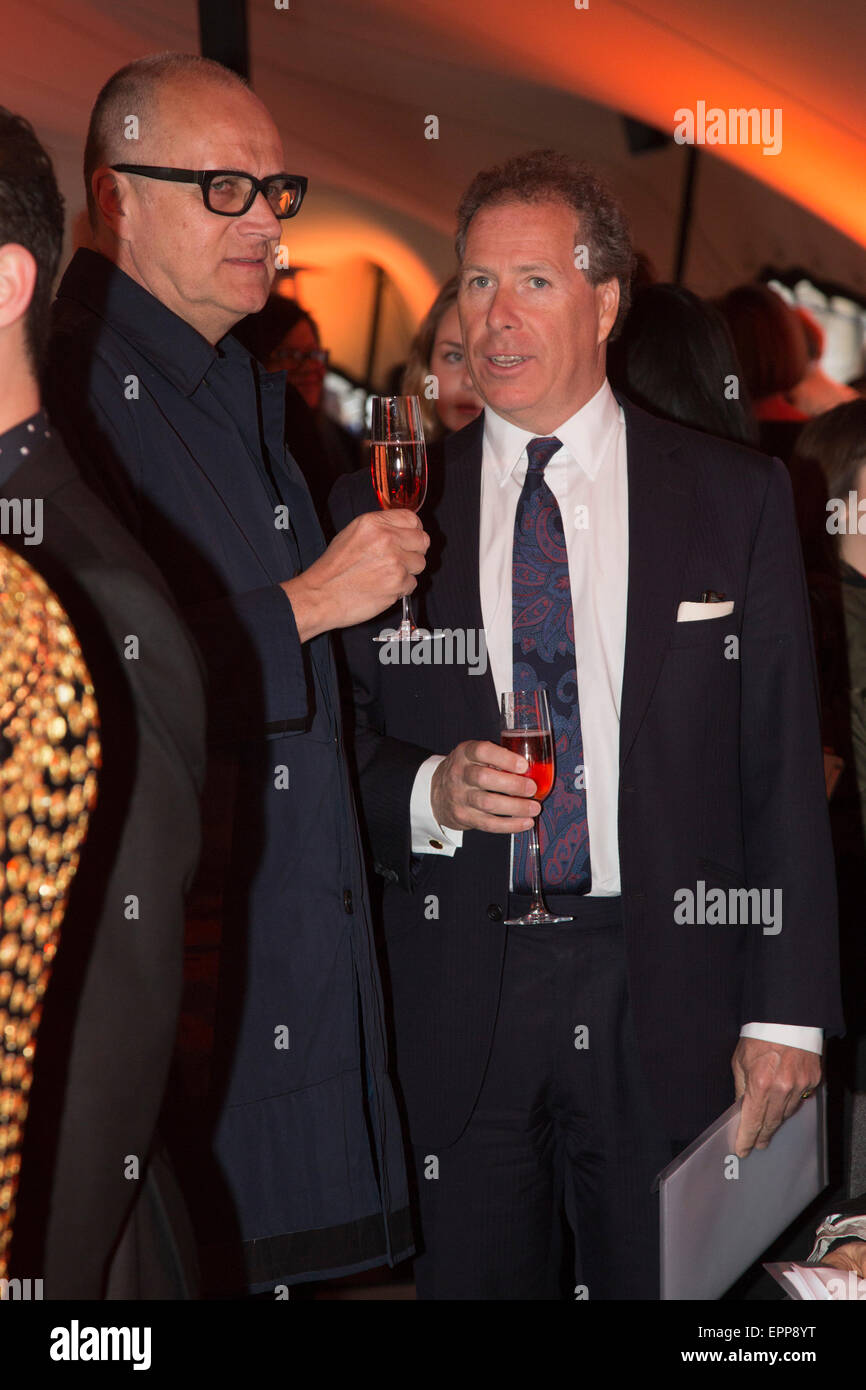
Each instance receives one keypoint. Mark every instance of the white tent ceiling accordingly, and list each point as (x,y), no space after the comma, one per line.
(351,83)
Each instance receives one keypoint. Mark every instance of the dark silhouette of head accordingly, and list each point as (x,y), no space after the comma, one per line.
(675,358)
(768,337)
(31,215)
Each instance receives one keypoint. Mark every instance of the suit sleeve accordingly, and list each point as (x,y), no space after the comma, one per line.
(386,767)
(793,972)
(249,641)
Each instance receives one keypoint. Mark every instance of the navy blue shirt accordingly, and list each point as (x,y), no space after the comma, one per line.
(186,441)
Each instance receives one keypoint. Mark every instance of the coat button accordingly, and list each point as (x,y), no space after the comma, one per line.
(347,899)
(494,912)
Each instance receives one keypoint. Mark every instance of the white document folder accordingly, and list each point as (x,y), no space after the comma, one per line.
(714,1225)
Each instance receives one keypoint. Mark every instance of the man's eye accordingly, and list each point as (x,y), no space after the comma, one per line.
(480,281)
(539,280)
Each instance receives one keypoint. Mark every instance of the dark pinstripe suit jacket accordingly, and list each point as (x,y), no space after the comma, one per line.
(720,780)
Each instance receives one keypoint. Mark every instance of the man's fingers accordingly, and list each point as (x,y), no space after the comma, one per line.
(490,779)
(492,804)
(774,1114)
(751,1119)
(793,1102)
(494,755)
(414,561)
(852,1255)
(400,518)
(761,1116)
(496,825)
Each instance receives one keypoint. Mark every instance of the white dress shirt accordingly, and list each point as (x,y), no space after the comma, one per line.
(588,476)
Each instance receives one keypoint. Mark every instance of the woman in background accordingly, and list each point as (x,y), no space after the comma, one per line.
(285,337)
(437,351)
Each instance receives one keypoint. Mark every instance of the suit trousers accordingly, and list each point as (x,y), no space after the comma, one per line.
(548,1194)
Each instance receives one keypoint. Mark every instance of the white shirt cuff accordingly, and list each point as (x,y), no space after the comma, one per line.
(428,836)
(809,1039)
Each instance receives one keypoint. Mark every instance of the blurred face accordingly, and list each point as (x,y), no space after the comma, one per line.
(210,270)
(458,401)
(305,373)
(533,327)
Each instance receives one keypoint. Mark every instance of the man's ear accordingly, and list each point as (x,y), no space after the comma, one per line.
(109,194)
(607,299)
(18,271)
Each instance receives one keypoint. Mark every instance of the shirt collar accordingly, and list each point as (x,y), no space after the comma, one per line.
(173,346)
(584,435)
(22,442)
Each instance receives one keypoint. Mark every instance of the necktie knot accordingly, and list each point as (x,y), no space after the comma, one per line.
(540,451)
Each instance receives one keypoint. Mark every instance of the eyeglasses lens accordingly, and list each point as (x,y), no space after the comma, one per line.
(231,194)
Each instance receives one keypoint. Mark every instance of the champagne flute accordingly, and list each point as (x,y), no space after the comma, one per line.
(399,465)
(526,729)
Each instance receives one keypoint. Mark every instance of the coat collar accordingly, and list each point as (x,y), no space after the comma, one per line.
(174,347)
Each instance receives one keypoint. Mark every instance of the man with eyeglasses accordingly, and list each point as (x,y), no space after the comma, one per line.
(286,1130)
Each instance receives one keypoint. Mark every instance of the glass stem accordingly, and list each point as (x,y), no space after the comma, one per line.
(538,903)
(406,624)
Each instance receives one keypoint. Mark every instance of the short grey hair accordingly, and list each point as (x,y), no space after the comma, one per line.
(134,90)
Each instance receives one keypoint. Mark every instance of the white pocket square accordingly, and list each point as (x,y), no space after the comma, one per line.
(694,612)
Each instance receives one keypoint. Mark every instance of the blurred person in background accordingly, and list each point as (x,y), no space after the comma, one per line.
(437,350)
(831,453)
(817,391)
(285,338)
(675,358)
(769,342)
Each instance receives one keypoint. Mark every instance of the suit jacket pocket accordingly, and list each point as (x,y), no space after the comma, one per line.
(727,877)
(708,633)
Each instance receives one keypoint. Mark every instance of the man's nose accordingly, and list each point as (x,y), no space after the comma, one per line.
(503,312)
(261,220)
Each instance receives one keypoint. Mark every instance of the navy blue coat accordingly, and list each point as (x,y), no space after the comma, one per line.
(187,443)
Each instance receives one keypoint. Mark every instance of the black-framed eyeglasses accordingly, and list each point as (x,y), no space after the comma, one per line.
(296,357)
(231,192)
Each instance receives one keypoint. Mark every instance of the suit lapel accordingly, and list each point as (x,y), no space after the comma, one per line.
(660,486)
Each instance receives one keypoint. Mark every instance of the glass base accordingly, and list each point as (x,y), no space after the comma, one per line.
(404,633)
(535,917)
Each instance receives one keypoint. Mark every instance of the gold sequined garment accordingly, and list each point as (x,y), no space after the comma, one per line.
(49,758)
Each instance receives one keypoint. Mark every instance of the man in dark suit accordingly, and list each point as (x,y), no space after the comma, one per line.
(651,578)
(98,1213)
(291,1145)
